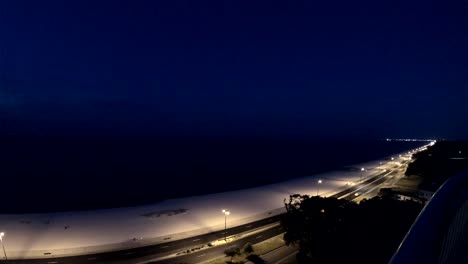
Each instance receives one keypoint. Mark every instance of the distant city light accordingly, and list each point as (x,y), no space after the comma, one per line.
(409,139)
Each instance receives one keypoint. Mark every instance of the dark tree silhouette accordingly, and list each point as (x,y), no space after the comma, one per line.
(248,248)
(440,161)
(232,251)
(329,230)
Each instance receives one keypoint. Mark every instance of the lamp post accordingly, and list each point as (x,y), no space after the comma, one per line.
(3,246)
(226,213)
(362,171)
(318,185)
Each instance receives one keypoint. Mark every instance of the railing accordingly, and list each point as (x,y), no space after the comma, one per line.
(440,233)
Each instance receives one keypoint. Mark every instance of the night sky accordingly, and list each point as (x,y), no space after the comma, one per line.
(278,68)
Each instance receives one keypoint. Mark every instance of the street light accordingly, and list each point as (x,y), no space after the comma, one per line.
(3,246)
(318,184)
(226,213)
(362,170)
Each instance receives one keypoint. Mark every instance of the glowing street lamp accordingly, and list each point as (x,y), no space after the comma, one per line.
(362,171)
(318,185)
(2,234)
(226,213)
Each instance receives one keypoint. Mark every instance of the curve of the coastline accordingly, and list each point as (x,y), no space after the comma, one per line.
(87,232)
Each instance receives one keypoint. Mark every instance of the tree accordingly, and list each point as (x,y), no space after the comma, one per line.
(369,231)
(232,251)
(315,224)
(248,248)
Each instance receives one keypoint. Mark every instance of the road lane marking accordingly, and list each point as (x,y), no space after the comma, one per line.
(258,236)
(129,253)
(164,247)
(201,255)
(371,190)
(196,239)
(393,173)
(91,258)
(248,226)
(361,187)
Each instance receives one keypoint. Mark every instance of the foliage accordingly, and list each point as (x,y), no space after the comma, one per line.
(369,231)
(440,161)
(232,251)
(248,248)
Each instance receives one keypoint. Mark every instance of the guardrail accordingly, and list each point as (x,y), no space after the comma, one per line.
(440,233)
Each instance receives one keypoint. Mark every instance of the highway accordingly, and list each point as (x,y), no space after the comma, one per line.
(368,184)
(218,251)
(156,252)
(373,183)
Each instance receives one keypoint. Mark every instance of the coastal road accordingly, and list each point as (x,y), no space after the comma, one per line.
(286,253)
(124,257)
(136,255)
(216,252)
(149,253)
(369,184)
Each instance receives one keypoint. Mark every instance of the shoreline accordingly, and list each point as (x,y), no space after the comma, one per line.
(86,232)
(60,180)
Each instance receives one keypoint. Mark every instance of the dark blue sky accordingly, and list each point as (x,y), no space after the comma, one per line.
(315,68)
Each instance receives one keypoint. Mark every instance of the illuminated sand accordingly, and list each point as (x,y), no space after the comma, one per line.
(73,233)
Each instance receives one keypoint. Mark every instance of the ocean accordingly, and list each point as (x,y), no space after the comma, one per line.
(49,174)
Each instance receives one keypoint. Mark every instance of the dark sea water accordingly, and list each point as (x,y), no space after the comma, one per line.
(62,174)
